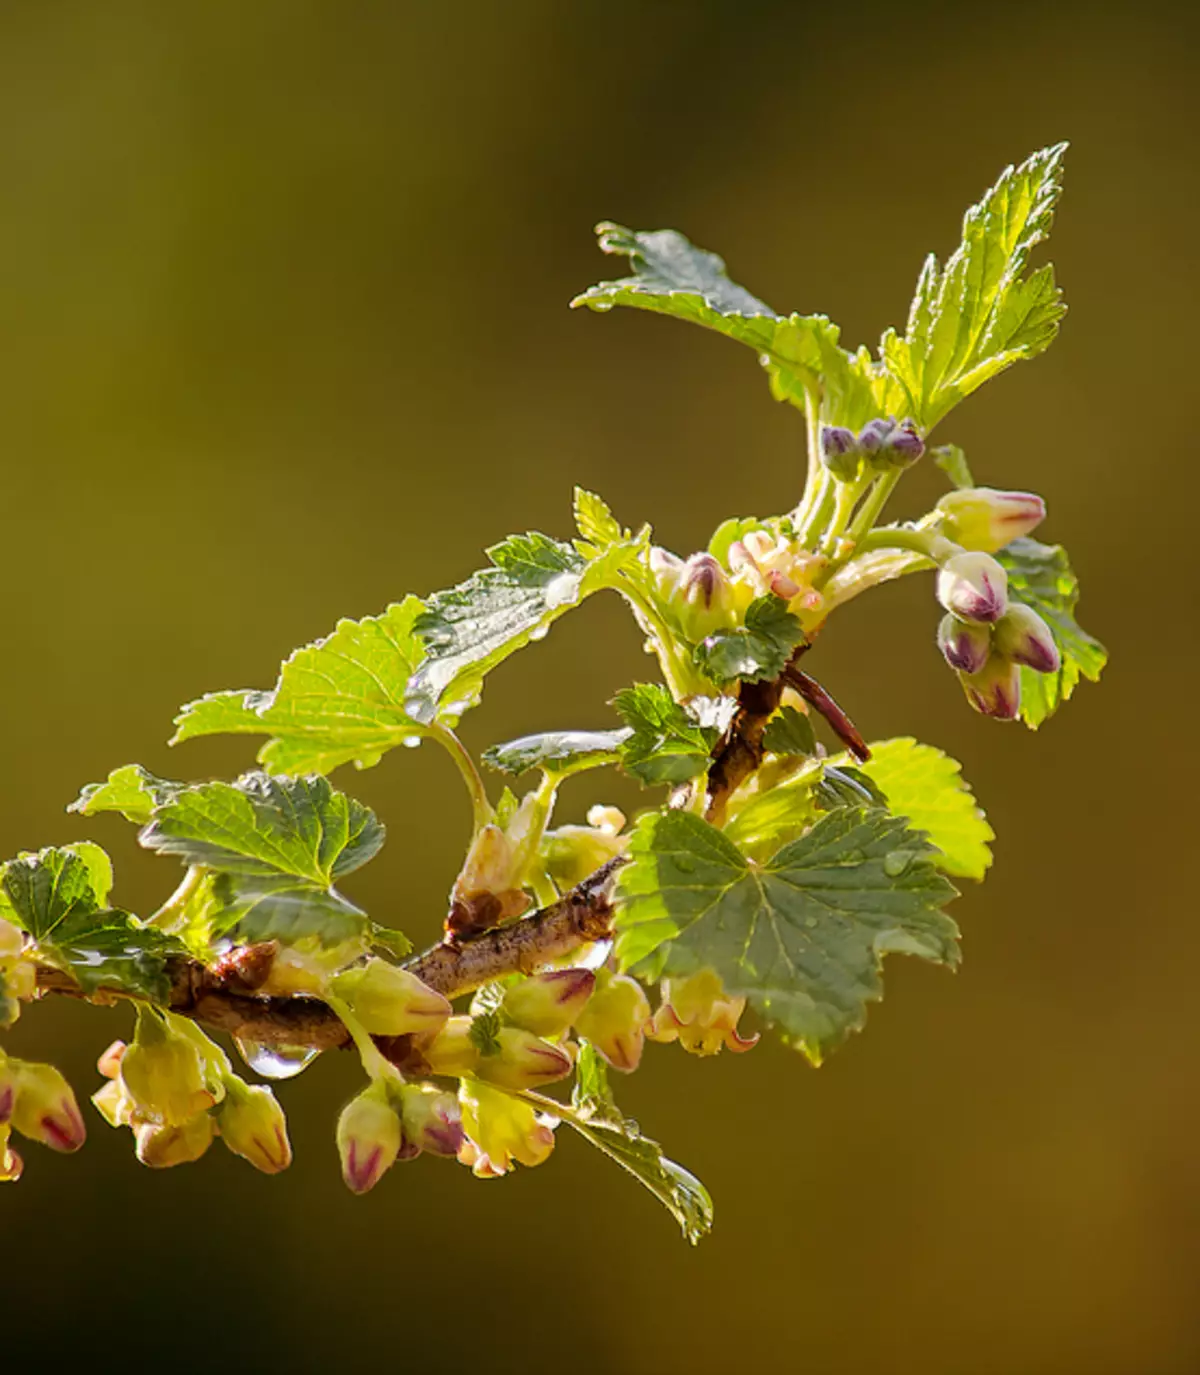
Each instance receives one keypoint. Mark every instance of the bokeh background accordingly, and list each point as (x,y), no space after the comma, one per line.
(284,335)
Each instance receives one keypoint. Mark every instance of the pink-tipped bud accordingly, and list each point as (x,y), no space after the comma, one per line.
(8,1090)
(163,1074)
(499,1130)
(432,1119)
(697,1013)
(986,519)
(390,1001)
(547,1004)
(705,601)
(523,1061)
(252,1125)
(996,690)
(162,1146)
(1022,636)
(369,1137)
(453,1050)
(974,587)
(614,1020)
(44,1108)
(964,645)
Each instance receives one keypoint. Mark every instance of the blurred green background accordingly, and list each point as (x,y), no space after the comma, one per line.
(284,333)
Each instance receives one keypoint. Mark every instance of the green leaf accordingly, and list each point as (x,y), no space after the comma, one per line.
(977,315)
(595,522)
(789,732)
(591,1093)
(130,790)
(337,701)
(768,819)
(471,628)
(1040,576)
(60,897)
(277,845)
(926,787)
(595,1117)
(759,648)
(667,744)
(800,352)
(843,785)
(801,936)
(729,532)
(953,462)
(560,752)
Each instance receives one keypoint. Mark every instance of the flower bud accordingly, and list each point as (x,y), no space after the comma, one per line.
(548,1004)
(163,1074)
(488,889)
(161,1145)
(571,853)
(500,1129)
(840,452)
(1022,636)
(964,645)
(667,570)
(706,596)
(523,1061)
(614,1019)
(8,1089)
(390,1001)
(453,1050)
(44,1107)
(113,1104)
(985,519)
(109,1064)
(696,1012)
(431,1119)
(12,940)
(996,689)
(904,445)
(369,1137)
(252,1125)
(974,586)
(11,1164)
(875,434)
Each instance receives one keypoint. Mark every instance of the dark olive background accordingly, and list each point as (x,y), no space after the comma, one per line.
(284,335)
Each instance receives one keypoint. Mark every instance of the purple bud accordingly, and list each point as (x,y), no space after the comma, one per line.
(836,441)
(974,587)
(874,435)
(905,444)
(703,579)
(996,690)
(965,646)
(1022,635)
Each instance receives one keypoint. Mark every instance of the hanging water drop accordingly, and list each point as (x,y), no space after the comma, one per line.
(275,1062)
(895,863)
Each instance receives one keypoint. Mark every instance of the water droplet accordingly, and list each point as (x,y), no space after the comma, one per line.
(601,307)
(539,632)
(411,742)
(896,863)
(684,864)
(412,707)
(275,1062)
(810,922)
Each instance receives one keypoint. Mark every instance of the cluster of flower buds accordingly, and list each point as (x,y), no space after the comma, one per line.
(986,638)
(36,1101)
(391,1120)
(174,1089)
(696,1012)
(705,597)
(880,444)
(500,1130)
(18,975)
(982,518)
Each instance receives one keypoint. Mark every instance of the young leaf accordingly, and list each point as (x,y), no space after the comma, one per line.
(976,316)
(801,936)
(277,846)
(471,628)
(60,897)
(666,744)
(760,648)
(768,819)
(800,352)
(561,752)
(130,790)
(953,462)
(1040,576)
(595,522)
(926,787)
(789,732)
(339,700)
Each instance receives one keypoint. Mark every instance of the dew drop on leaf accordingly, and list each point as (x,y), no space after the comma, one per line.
(896,863)
(275,1062)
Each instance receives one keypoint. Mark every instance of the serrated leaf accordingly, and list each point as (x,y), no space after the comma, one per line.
(1040,575)
(338,700)
(595,522)
(843,785)
(800,352)
(976,316)
(801,936)
(926,787)
(667,744)
(759,648)
(789,732)
(769,819)
(60,897)
(131,790)
(591,1093)
(561,751)
(471,628)
(277,845)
